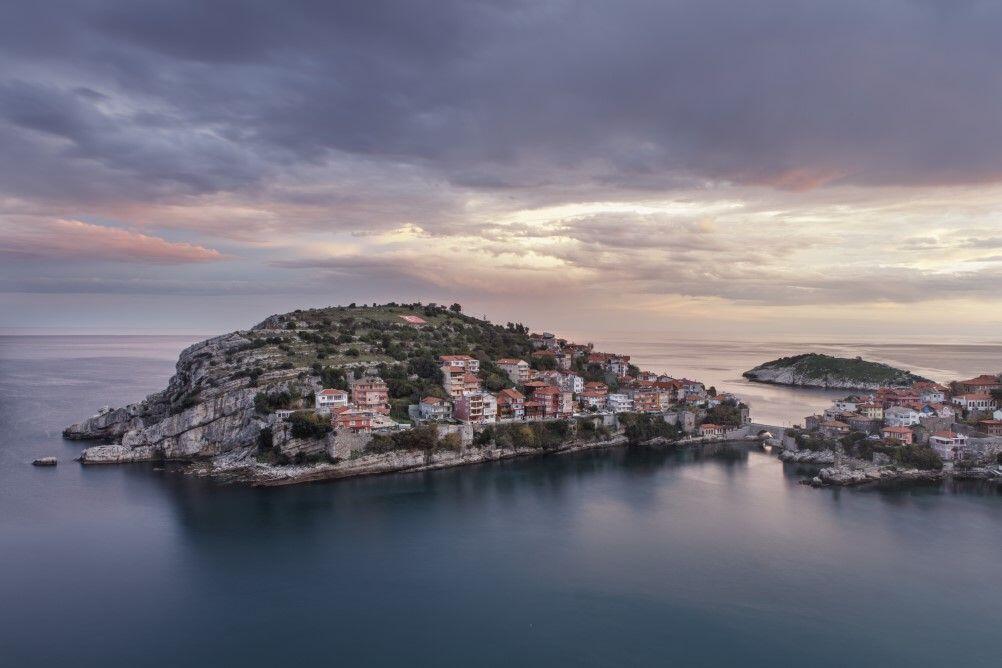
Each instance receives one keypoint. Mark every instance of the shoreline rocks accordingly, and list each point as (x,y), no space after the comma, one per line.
(45,461)
(820,457)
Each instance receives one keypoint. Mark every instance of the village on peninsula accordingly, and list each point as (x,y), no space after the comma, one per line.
(353,390)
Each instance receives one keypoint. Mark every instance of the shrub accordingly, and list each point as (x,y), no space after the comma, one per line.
(451,441)
(306,424)
(265,440)
(645,426)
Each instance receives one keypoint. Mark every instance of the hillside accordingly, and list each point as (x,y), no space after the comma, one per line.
(217,401)
(817,370)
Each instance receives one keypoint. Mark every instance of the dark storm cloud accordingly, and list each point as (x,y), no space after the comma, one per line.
(167,99)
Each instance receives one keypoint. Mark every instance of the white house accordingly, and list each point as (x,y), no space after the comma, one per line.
(572,382)
(976,402)
(490,407)
(619,403)
(947,443)
(328,399)
(846,405)
(901,416)
(434,408)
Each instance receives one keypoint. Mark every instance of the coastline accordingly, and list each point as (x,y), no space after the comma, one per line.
(246,470)
(835,471)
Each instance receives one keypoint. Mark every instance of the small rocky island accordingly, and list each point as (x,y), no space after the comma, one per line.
(827,371)
(353,390)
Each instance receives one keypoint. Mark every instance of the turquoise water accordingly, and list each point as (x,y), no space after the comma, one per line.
(615,558)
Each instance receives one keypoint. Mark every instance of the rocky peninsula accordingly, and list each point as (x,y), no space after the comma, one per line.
(828,372)
(240,407)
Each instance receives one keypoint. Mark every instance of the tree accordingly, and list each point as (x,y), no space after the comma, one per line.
(997,396)
(456,308)
(309,425)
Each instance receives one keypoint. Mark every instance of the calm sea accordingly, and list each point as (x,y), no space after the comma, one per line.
(619,558)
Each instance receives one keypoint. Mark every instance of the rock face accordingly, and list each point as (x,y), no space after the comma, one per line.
(825,371)
(206,410)
(219,407)
(820,457)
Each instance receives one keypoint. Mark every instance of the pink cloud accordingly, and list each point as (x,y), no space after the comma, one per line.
(77,240)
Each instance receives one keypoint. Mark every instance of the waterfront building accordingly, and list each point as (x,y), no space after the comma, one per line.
(709,429)
(948,444)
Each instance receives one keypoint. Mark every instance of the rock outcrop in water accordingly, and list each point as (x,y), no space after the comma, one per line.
(825,371)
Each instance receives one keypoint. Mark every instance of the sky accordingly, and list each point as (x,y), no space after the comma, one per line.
(684,167)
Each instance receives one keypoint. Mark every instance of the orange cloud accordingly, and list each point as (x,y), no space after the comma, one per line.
(77,240)
(797,180)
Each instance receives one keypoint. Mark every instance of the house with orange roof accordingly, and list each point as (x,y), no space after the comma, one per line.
(371,393)
(976,403)
(351,419)
(982,384)
(904,435)
(710,429)
(511,405)
(991,427)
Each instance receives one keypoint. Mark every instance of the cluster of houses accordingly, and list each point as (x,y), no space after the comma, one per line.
(362,409)
(926,413)
(554,392)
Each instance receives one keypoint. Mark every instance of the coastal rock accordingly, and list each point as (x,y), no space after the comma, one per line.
(807,456)
(117,454)
(859,473)
(45,461)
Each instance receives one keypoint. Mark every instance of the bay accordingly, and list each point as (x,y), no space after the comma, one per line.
(625,557)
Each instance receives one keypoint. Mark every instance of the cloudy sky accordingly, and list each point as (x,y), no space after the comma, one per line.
(681,166)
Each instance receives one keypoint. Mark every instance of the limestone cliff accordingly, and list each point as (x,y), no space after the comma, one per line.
(220,403)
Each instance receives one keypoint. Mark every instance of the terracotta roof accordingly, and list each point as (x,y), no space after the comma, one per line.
(510,360)
(897,430)
(432,400)
(333,393)
(947,434)
(514,395)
